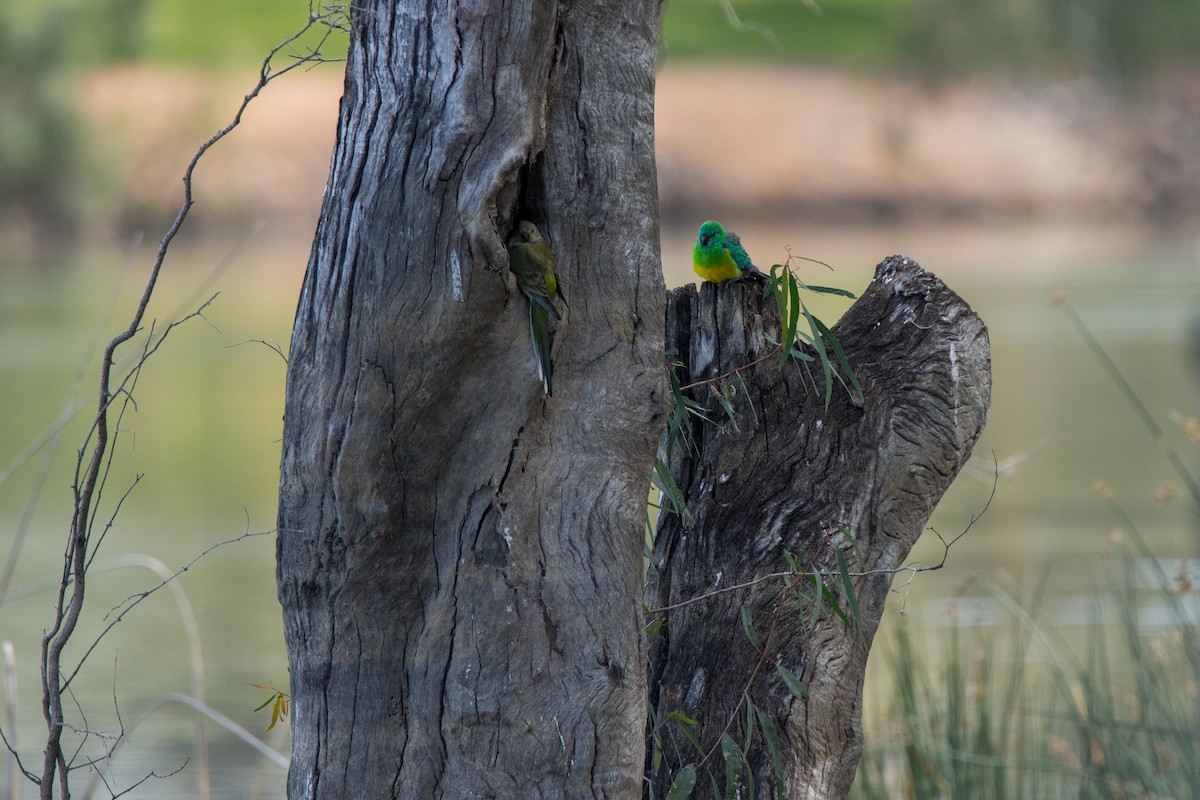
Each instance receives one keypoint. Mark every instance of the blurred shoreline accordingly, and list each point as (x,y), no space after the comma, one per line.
(844,148)
(772,143)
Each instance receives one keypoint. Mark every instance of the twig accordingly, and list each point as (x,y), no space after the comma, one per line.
(786,574)
(272,345)
(735,371)
(220,719)
(151,774)
(134,599)
(89,480)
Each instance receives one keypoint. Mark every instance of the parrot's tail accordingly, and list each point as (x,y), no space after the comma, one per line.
(755,274)
(539,331)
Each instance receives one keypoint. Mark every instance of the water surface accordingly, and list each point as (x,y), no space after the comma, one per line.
(204,436)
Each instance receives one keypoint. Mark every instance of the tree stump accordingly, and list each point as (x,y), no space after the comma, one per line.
(824,484)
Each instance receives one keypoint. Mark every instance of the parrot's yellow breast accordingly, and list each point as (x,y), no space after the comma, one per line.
(715,265)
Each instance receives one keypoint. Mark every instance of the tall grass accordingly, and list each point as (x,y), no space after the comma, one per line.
(1025,709)
(1046,704)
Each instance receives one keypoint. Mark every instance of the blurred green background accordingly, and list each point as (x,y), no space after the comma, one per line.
(103,101)
(49,175)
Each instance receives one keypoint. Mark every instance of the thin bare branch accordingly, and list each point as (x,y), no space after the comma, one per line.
(94,458)
(269,343)
(150,776)
(131,602)
(789,574)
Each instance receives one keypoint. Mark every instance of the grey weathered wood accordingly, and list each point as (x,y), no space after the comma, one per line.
(784,479)
(459,558)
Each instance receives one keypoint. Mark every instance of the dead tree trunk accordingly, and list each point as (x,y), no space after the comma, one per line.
(459,557)
(791,476)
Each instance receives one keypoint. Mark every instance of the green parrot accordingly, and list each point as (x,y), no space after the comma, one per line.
(532,262)
(718,256)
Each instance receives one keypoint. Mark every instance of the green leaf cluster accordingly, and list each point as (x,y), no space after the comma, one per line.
(827,352)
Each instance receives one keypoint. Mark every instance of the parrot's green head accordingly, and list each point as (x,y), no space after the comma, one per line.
(527,232)
(710,232)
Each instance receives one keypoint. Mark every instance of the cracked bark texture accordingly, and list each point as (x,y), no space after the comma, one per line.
(460,558)
(788,478)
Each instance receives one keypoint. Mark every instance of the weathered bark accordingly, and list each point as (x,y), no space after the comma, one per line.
(459,558)
(788,478)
